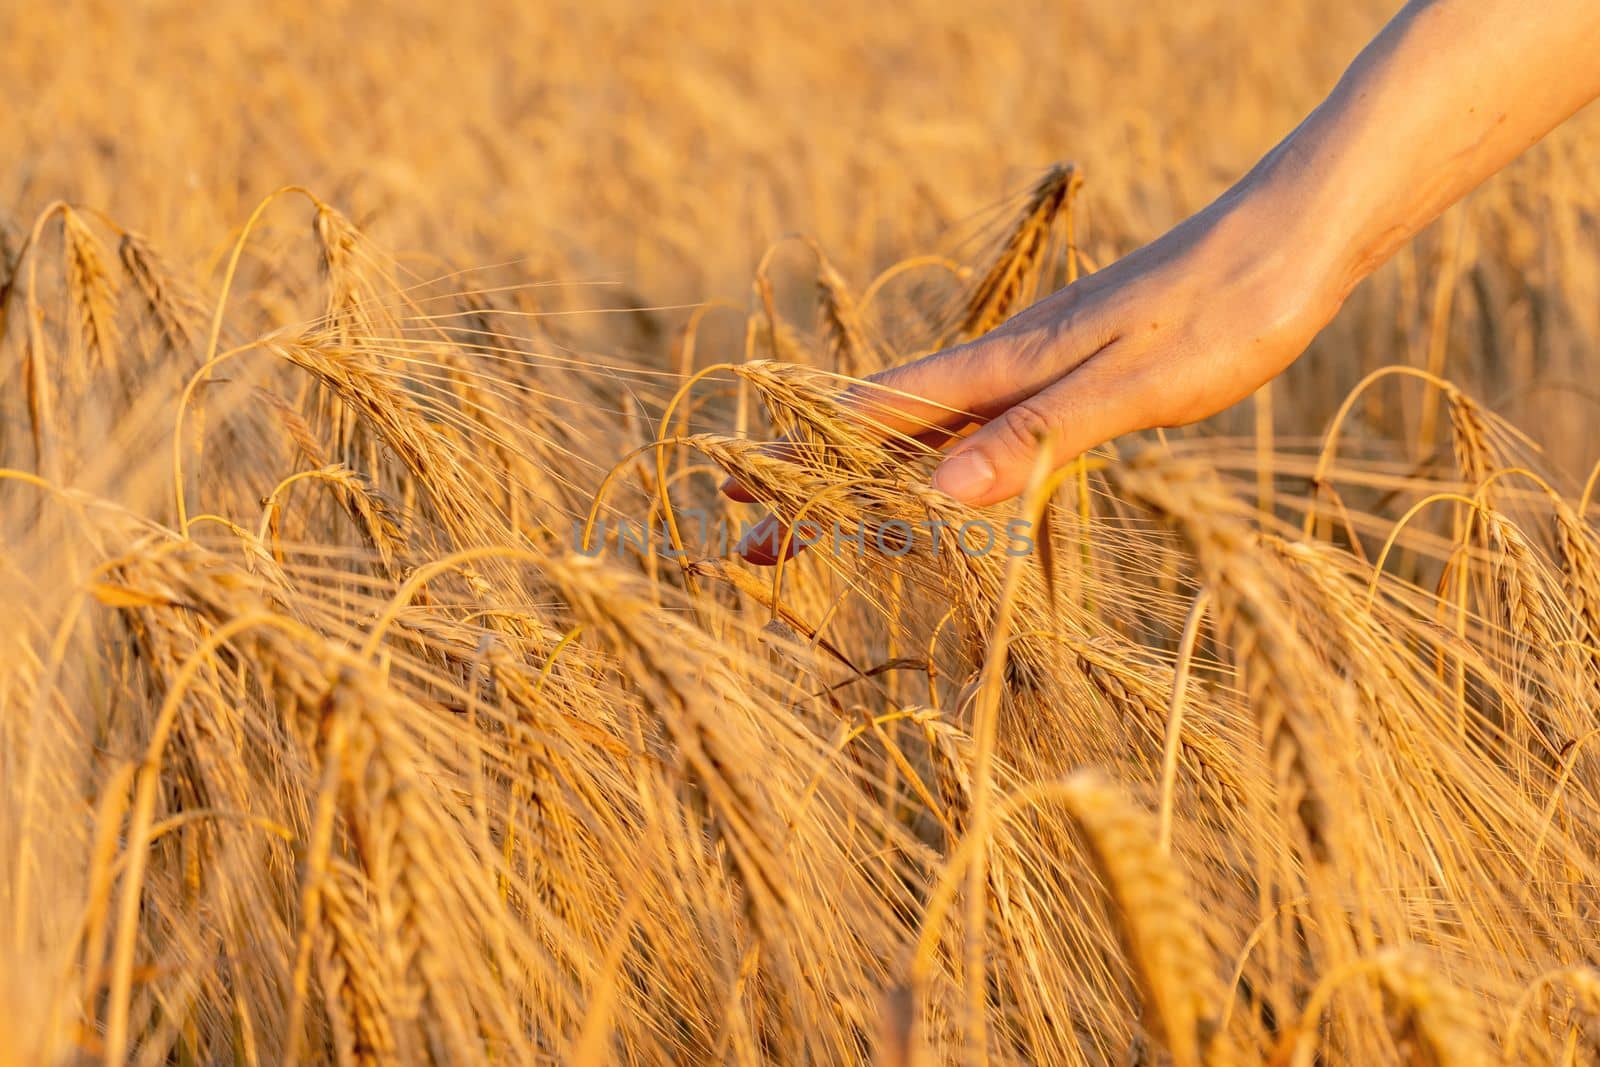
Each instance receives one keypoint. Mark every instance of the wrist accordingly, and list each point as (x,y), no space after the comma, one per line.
(1270,243)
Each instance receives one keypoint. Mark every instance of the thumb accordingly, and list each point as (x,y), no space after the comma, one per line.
(1088,407)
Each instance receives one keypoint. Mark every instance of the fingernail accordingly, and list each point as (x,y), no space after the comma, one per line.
(964,476)
(760,542)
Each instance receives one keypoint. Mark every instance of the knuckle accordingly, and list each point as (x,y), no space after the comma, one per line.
(1023,426)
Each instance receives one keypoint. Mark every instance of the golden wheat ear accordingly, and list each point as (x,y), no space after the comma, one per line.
(1157,920)
(90,286)
(846,345)
(1011,280)
(168,300)
(1431,1020)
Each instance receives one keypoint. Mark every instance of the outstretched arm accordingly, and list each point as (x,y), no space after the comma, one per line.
(1446,95)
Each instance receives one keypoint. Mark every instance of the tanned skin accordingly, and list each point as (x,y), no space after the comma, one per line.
(1447,94)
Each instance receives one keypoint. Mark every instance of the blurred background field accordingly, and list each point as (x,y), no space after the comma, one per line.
(660,149)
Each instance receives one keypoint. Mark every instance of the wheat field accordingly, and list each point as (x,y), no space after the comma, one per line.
(377,684)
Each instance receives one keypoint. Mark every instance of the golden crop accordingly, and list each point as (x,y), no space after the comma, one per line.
(343,721)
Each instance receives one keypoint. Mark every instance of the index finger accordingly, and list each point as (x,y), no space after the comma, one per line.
(917,403)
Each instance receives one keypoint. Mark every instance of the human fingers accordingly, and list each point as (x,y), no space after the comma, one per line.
(1101,399)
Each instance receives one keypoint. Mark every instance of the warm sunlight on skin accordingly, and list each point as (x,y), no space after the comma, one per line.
(1195,321)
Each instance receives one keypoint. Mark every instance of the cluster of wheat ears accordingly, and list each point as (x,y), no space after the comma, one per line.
(323,740)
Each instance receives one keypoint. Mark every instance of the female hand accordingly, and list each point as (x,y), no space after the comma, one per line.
(1177,331)
(1448,93)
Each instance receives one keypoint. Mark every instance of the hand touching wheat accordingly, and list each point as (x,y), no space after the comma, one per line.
(1448,93)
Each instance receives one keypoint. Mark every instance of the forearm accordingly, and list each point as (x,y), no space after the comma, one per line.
(1446,95)
(1199,318)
